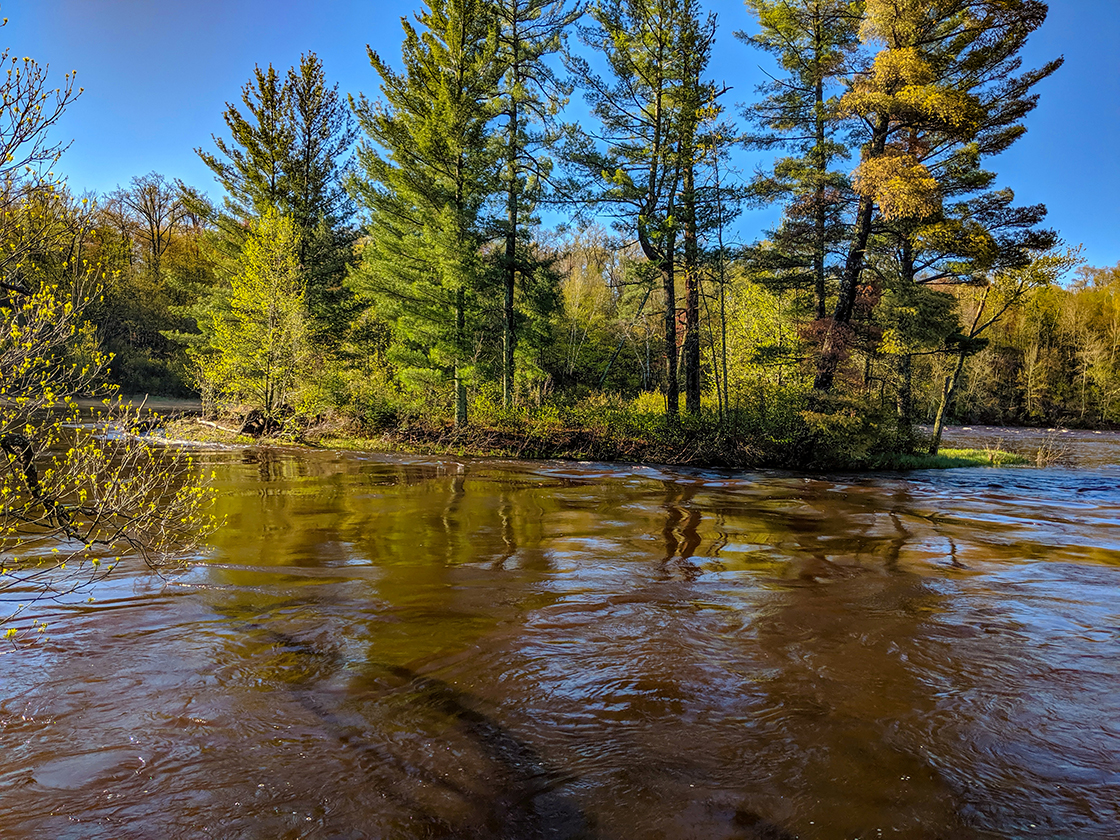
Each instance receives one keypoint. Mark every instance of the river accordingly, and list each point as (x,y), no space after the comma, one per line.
(393,647)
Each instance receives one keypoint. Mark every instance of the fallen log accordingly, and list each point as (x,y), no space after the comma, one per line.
(214,425)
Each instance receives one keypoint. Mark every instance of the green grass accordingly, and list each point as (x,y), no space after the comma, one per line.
(948,459)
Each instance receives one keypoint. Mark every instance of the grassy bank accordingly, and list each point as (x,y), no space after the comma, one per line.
(604,434)
(952,458)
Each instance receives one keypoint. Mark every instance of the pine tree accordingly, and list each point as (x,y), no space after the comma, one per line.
(323,135)
(944,89)
(638,173)
(813,42)
(530,95)
(289,149)
(693,95)
(963,231)
(427,170)
(253,167)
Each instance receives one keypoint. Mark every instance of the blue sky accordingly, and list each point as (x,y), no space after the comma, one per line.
(157,75)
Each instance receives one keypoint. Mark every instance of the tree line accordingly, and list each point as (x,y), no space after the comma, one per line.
(383,256)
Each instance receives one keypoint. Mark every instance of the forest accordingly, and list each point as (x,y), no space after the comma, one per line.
(451,255)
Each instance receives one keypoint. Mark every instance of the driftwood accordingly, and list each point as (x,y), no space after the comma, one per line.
(255,424)
(214,425)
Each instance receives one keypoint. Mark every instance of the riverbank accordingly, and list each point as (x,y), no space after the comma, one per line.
(684,447)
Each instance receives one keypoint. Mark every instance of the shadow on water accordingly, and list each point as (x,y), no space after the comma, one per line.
(511,795)
(498,786)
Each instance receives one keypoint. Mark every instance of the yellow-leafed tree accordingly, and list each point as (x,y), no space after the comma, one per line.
(258,345)
(943,89)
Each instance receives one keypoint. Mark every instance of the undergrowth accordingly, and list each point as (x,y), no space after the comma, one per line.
(792,433)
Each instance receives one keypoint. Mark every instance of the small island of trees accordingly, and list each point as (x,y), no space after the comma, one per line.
(455,260)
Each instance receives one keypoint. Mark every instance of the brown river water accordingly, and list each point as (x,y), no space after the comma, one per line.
(387,647)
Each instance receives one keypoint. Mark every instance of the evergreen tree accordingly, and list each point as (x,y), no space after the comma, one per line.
(967,242)
(530,95)
(963,233)
(289,150)
(943,90)
(638,173)
(693,95)
(323,134)
(814,42)
(427,171)
(253,167)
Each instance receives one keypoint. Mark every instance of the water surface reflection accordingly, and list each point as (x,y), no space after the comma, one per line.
(419,648)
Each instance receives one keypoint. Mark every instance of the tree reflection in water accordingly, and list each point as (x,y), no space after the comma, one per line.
(424,648)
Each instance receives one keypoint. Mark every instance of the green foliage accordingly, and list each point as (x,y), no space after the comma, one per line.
(642,164)
(947,459)
(156,270)
(814,42)
(1051,359)
(841,433)
(529,94)
(428,169)
(258,355)
(251,167)
(942,91)
(916,318)
(455,303)
(289,147)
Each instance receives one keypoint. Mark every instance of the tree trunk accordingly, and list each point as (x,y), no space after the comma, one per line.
(949,388)
(948,391)
(460,384)
(664,260)
(906,361)
(692,297)
(509,337)
(672,384)
(820,217)
(905,399)
(722,286)
(853,268)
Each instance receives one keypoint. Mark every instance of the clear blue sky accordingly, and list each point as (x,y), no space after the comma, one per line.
(157,75)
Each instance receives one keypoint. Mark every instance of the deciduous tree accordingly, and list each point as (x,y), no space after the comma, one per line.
(71,501)
(257,350)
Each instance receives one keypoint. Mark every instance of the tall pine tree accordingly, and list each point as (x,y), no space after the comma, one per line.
(529,31)
(944,86)
(693,95)
(253,166)
(813,42)
(427,171)
(323,135)
(636,171)
(289,149)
